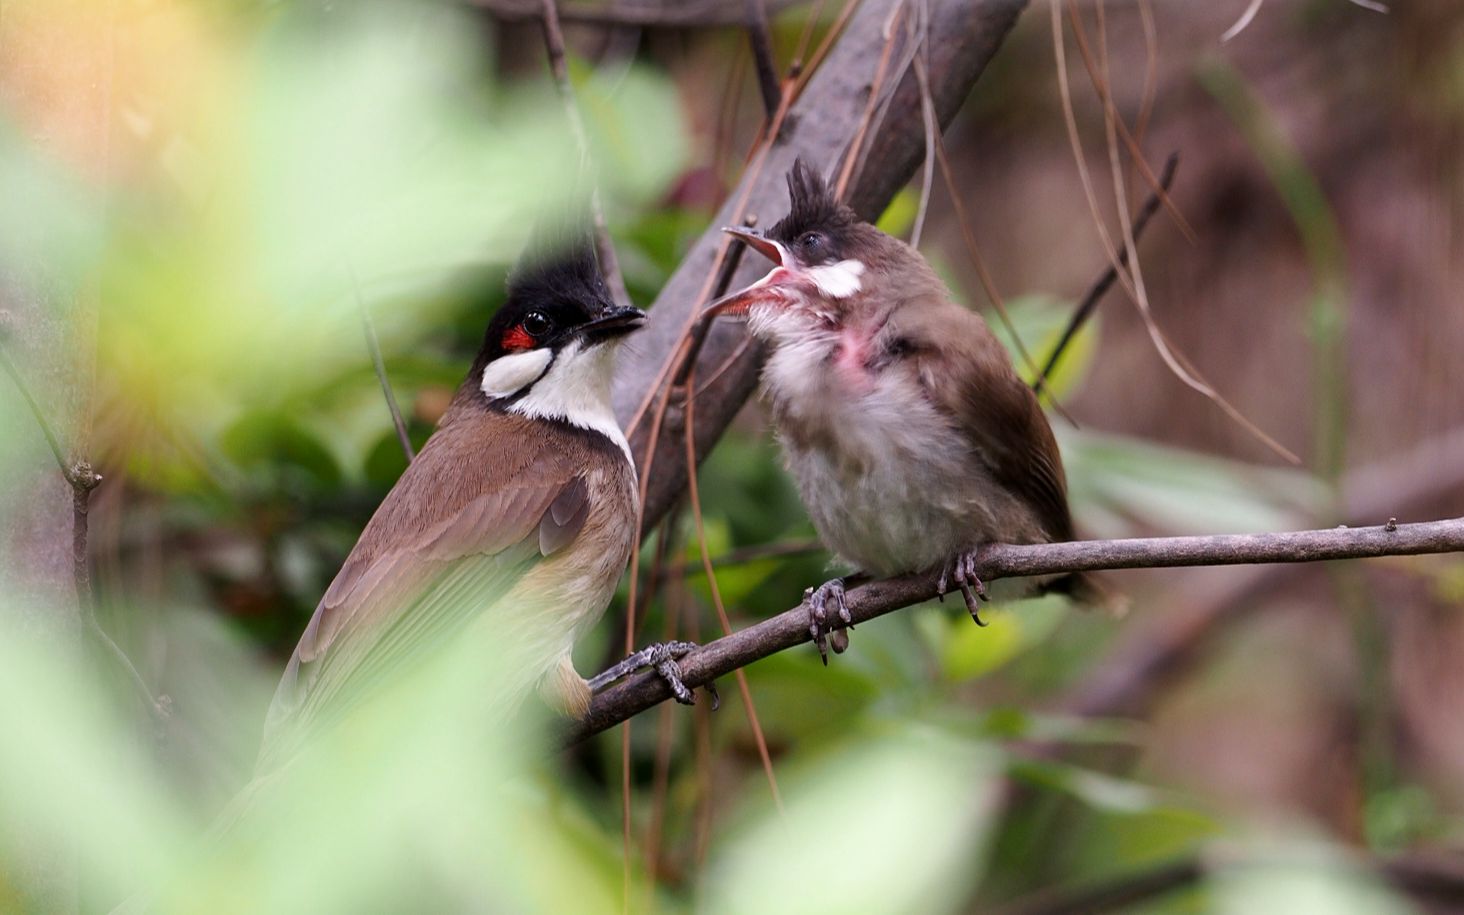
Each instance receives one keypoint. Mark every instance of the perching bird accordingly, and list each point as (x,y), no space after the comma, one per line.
(911,437)
(513,524)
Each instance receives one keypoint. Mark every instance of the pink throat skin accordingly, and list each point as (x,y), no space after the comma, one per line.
(851,360)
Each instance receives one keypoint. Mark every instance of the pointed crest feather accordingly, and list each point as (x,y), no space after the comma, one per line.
(812,205)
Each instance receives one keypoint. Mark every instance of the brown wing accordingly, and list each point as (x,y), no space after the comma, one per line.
(476,509)
(970,375)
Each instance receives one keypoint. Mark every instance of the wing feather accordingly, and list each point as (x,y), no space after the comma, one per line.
(396,597)
(970,375)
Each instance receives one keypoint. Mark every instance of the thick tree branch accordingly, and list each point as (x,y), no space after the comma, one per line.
(820,126)
(997,561)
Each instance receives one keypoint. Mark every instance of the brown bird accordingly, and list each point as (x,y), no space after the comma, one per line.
(512,526)
(911,437)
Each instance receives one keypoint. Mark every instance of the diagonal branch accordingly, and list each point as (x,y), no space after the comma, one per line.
(819,126)
(997,561)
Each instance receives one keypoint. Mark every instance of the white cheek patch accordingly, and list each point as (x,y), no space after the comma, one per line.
(838,281)
(577,390)
(507,375)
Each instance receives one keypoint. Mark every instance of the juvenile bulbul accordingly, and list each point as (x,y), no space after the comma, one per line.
(512,525)
(911,437)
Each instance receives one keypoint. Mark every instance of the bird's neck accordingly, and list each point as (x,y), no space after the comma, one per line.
(576,390)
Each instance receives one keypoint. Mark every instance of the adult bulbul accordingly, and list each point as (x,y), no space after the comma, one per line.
(512,525)
(911,437)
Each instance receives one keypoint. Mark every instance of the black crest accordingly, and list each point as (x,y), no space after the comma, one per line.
(813,206)
(556,277)
(557,267)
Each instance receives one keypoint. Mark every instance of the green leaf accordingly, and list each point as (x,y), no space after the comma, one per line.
(968,651)
(899,217)
(265,438)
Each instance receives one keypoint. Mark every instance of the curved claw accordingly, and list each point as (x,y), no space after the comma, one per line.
(973,591)
(825,636)
(660,657)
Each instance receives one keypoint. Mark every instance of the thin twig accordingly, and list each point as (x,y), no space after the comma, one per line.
(930,123)
(37,412)
(968,235)
(757,553)
(851,158)
(373,345)
(761,39)
(1132,281)
(604,247)
(1096,292)
(996,561)
(82,479)
(693,495)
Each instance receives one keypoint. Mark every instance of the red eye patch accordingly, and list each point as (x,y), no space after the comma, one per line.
(517,338)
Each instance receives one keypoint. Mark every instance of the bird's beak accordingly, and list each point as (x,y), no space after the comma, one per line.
(613,322)
(784,273)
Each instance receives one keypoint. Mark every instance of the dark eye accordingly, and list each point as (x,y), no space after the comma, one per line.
(537,323)
(810,241)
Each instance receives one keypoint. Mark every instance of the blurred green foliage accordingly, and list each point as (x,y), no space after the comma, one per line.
(329,156)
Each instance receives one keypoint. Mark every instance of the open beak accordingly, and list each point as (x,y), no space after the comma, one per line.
(613,322)
(784,273)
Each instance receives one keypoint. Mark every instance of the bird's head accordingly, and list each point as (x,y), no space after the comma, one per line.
(553,338)
(824,257)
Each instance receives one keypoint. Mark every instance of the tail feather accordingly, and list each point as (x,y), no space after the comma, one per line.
(1090,591)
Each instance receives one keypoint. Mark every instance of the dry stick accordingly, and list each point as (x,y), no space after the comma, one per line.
(373,345)
(1151,75)
(604,247)
(1243,21)
(1152,653)
(727,122)
(867,119)
(661,770)
(964,36)
(694,497)
(996,561)
(930,123)
(758,553)
(805,36)
(761,40)
(83,479)
(835,30)
(1129,139)
(989,284)
(1096,292)
(1133,283)
(673,364)
(610,268)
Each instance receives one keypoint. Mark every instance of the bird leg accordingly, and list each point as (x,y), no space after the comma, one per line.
(963,570)
(829,596)
(660,657)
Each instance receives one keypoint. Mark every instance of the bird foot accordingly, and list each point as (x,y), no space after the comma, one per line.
(825,602)
(660,657)
(963,570)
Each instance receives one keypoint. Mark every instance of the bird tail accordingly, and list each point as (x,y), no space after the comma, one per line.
(1089,590)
